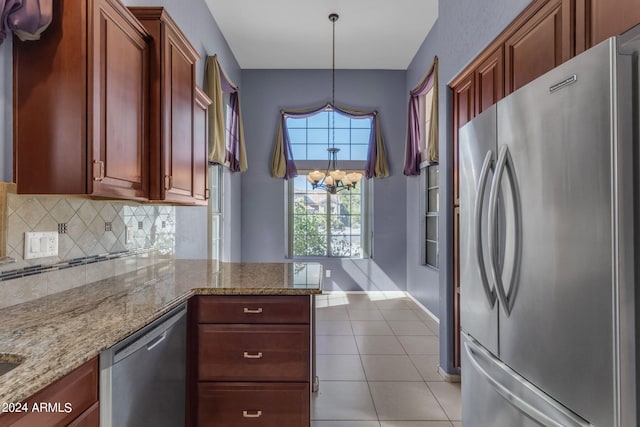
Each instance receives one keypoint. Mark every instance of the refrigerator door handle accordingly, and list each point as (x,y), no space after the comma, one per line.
(477,214)
(520,393)
(505,162)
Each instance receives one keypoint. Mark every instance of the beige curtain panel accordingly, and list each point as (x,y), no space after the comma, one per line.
(231,151)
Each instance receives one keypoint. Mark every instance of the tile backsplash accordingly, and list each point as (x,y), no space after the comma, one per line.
(86,227)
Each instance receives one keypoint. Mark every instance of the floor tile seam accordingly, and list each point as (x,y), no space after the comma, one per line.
(373,402)
(415,366)
(427,382)
(418,420)
(369,354)
(438,400)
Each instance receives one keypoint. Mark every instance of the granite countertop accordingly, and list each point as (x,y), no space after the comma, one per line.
(54,335)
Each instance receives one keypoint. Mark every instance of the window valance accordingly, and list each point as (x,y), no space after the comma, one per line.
(283,164)
(228,151)
(414,150)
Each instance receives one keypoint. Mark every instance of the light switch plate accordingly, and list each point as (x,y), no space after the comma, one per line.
(40,244)
(128,236)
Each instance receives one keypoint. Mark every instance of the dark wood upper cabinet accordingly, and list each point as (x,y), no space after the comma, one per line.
(464,103)
(539,45)
(172,100)
(80,96)
(200,152)
(606,18)
(489,80)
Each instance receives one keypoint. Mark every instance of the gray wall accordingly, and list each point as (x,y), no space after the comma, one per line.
(462,30)
(265,93)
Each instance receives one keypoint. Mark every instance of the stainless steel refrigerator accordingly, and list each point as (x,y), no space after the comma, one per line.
(549,245)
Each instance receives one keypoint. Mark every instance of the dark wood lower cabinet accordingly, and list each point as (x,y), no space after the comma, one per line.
(259,352)
(89,418)
(250,361)
(253,404)
(72,400)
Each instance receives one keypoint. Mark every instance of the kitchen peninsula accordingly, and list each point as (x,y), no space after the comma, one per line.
(54,335)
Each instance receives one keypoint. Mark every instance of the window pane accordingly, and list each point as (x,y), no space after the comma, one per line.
(364,123)
(433,200)
(317,152)
(299,151)
(359,151)
(300,183)
(432,228)
(298,136)
(341,246)
(296,123)
(360,136)
(432,254)
(318,136)
(344,152)
(342,121)
(320,120)
(434,176)
(340,136)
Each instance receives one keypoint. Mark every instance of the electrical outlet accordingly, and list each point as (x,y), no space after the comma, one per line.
(40,244)
(327,273)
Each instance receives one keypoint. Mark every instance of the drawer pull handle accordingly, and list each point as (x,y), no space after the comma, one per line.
(251,311)
(258,355)
(253,414)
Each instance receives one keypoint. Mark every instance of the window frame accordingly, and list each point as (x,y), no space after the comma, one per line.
(426,213)
(366,234)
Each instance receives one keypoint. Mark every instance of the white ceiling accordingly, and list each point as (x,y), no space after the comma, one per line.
(370,34)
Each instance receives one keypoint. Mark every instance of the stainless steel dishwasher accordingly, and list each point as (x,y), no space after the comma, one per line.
(142,378)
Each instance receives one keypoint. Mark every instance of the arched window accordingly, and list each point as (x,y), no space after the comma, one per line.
(321,224)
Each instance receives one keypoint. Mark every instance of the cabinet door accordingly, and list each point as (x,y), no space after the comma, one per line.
(490,80)
(71,396)
(607,18)
(463,111)
(118,75)
(178,99)
(49,105)
(200,164)
(542,43)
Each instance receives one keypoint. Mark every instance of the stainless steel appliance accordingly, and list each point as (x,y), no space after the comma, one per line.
(142,378)
(548,231)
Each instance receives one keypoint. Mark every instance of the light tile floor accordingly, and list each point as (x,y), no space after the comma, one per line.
(377,359)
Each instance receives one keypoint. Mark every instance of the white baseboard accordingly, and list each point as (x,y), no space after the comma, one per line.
(425,309)
(450,378)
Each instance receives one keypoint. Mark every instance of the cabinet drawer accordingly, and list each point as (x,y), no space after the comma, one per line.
(79,390)
(89,418)
(250,404)
(253,309)
(253,353)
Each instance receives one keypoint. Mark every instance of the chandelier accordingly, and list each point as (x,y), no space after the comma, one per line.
(333,180)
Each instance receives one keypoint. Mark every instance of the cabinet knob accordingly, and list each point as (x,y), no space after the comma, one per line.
(253,311)
(257,355)
(251,414)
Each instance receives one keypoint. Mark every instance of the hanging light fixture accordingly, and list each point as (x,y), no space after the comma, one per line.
(333,180)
